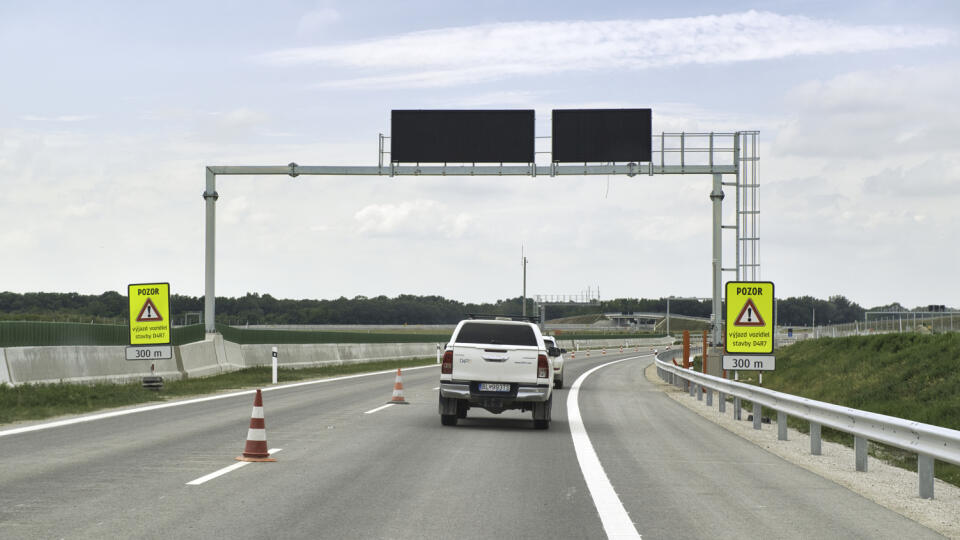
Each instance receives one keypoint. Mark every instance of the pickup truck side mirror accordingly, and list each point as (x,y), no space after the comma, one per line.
(553,351)
(563,351)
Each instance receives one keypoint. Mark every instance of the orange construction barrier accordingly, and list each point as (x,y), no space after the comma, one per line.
(398,391)
(256,447)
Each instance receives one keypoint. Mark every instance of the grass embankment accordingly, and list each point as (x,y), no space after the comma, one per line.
(39,401)
(910,376)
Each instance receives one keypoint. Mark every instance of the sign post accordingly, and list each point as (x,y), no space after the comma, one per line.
(150,336)
(749,326)
(274,370)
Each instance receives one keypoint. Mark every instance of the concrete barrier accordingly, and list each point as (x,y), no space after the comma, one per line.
(658,342)
(198,359)
(4,371)
(81,364)
(212,356)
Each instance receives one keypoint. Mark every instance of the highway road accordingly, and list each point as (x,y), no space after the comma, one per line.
(351,469)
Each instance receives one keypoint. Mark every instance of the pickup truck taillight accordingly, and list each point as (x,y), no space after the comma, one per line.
(543,368)
(446,367)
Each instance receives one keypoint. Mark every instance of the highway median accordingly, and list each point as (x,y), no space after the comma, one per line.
(41,401)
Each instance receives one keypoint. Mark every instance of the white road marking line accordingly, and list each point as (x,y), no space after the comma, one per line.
(101,416)
(225,470)
(436,387)
(616,521)
(380,408)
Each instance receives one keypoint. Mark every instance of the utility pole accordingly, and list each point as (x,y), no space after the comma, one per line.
(524,263)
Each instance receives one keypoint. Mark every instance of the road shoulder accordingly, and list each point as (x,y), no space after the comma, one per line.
(886,485)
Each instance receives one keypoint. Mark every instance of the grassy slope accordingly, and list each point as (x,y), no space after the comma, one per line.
(909,376)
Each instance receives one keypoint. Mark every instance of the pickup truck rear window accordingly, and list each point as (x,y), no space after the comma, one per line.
(497,334)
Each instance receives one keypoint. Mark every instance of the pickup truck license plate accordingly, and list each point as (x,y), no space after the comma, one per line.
(494,387)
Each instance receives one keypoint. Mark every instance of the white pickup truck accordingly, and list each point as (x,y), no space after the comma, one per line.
(496,365)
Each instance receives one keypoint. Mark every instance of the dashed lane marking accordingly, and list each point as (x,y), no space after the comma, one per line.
(225,470)
(380,408)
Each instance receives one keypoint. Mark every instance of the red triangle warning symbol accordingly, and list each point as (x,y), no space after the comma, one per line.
(749,316)
(149,313)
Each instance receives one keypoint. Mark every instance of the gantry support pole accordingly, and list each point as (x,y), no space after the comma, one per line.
(717,197)
(209,296)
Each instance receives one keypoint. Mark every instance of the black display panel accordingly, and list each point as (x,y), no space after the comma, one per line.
(591,135)
(462,136)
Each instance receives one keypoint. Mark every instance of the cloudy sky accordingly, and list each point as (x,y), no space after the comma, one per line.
(111,110)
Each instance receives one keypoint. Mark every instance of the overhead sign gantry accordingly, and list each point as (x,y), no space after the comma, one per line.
(502,143)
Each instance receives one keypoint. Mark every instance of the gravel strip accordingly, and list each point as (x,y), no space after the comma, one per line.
(888,486)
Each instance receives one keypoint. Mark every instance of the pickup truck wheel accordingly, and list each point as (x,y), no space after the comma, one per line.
(462,409)
(542,413)
(558,382)
(448,419)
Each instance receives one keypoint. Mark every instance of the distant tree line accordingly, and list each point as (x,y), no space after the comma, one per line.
(254,308)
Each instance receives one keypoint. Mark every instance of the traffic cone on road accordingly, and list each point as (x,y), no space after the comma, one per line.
(256,447)
(398,391)
(604,350)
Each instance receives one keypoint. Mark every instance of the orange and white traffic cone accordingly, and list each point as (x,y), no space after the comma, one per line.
(256,447)
(604,350)
(588,353)
(621,350)
(573,355)
(398,391)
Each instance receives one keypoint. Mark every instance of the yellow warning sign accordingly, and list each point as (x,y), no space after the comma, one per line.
(750,324)
(149,313)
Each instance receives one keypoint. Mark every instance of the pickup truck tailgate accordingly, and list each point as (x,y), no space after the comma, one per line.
(476,362)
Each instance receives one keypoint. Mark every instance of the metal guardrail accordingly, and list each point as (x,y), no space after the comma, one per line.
(927,441)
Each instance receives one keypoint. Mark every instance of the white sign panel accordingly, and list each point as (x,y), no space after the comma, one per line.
(749,362)
(149,352)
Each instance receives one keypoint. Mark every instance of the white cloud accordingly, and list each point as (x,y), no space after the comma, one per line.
(501,98)
(936,177)
(61,118)
(873,114)
(316,20)
(242,117)
(453,56)
(412,218)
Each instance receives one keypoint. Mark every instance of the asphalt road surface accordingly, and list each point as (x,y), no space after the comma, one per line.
(349,470)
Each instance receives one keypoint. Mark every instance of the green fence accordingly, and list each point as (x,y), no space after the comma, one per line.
(37,334)
(245,336)
(40,334)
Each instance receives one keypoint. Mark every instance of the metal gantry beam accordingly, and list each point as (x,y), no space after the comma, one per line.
(687,158)
(628,169)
